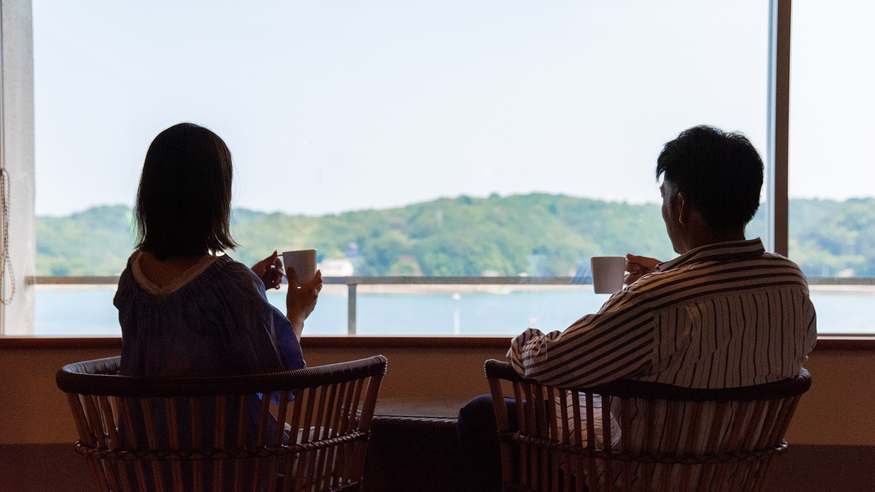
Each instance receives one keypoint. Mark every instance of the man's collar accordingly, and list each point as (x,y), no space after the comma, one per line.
(727,251)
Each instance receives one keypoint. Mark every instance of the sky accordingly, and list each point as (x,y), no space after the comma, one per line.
(336,106)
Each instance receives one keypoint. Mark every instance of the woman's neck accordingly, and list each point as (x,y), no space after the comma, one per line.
(164,272)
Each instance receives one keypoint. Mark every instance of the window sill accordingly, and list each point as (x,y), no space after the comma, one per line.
(824,342)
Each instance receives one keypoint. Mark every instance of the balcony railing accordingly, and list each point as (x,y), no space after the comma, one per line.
(352,284)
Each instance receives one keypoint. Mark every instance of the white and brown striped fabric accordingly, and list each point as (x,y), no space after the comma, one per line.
(720,316)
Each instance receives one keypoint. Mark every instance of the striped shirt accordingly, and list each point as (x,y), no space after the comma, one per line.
(719,316)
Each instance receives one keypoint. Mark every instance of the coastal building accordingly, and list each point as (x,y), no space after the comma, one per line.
(336,267)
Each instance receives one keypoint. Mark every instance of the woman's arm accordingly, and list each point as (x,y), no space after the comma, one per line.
(301,300)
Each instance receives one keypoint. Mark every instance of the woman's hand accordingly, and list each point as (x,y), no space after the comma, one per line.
(269,270)
(301,300)
(638,266)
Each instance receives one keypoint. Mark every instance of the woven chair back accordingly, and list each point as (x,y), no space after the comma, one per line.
(636,436)
(302,430)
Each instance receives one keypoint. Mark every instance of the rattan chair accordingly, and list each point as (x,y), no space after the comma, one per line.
(223,433)
(671,439)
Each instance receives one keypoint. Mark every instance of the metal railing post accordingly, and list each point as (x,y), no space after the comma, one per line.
(350,310)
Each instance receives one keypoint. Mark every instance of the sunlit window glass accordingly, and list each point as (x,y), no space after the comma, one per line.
(832,198)
(420,139)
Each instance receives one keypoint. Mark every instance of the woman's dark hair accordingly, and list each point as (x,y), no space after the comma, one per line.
(720,172)
(184,199)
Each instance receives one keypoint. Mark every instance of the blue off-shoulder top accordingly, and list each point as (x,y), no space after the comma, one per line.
(212,321)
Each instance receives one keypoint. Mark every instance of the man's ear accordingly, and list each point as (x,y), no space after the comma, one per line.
(682,207)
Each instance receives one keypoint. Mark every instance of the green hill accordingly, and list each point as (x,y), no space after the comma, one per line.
(95,242)
(538,234)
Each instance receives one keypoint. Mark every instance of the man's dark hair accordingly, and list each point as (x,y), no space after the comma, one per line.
(720,172)
(184,198)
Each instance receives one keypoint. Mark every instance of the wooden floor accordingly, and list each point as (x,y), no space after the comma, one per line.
(56,467)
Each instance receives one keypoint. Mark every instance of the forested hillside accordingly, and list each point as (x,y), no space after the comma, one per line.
(537,234)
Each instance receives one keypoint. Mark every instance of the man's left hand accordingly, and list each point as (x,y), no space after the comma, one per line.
(639,266)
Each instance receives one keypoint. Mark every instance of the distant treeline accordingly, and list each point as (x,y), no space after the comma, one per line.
(538,234)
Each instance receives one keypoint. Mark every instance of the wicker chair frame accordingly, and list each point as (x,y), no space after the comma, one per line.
(671,439)
(291,431)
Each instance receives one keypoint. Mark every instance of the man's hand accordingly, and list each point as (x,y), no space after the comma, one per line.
(638,266)
(300,301)
(269,270)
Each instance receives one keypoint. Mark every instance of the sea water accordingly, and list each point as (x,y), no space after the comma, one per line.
(89,312)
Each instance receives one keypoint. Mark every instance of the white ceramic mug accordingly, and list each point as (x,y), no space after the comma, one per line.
(608,273)
(304,263)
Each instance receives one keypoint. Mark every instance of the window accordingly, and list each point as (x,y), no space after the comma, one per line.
(832,201)
(330,110)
